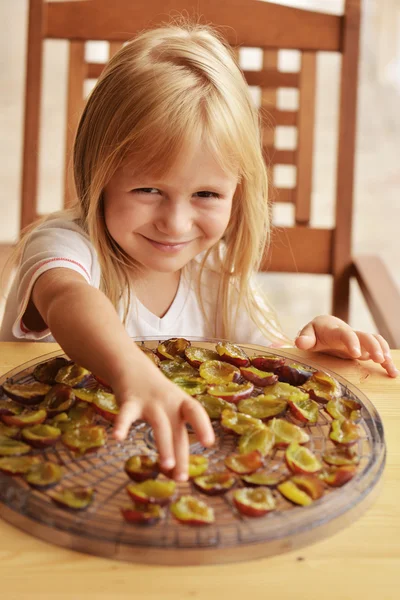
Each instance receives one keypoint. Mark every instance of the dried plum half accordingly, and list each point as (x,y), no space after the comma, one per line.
(44,475)
(46,372)
(87,438)
(41,436)
(74,498)
(192,511)
(28,394)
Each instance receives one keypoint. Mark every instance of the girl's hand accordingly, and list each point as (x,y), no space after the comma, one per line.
(167,409)
(331,335)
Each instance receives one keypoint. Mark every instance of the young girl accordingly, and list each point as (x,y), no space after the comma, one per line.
(170,224)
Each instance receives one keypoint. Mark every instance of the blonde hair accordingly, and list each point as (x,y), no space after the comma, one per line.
(167,87)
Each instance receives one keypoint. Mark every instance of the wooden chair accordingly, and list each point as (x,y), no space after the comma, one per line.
(248,23)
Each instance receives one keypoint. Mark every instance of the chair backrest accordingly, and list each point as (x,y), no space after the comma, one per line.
(246,23)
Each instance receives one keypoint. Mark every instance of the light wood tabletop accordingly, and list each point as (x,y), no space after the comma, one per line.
(359,562)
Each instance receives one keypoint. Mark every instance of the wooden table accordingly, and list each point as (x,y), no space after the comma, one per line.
(358,563)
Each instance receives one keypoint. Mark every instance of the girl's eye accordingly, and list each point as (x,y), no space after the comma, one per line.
(145,191)
(205,194)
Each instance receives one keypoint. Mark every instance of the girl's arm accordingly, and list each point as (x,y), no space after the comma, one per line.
(87,327)
(331,335)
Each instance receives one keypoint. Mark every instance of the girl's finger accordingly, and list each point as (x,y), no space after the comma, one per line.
(372,345)
(384,346)
(340,338)
(347,336)
(390,368)
(192,412)
(388,363)
(130,412)
(162,431)
(181,448)
(306,338)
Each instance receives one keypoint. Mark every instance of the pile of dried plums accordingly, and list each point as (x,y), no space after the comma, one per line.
(249,396)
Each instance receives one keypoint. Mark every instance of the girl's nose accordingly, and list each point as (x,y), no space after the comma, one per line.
(175,220)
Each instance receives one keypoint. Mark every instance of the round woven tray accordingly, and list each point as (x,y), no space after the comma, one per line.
(101,529)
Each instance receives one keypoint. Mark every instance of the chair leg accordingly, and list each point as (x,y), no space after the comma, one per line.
(341,296)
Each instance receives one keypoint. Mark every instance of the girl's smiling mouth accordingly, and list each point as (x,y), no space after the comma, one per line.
(167,246)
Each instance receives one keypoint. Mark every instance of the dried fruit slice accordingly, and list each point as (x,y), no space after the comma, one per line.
(306,410)
(143,514)
(214,405)
(10,432)
(344,408)
(151,355)
(9,407)
(73,375)
(59,399)
(262,440)
(254,502)
(81,414)
(231,353)
(338,476)
(301,460)
(344,432)
(267,362)
(239,423)
(322,387)
(258,377)
(17,465)
(302,489)
(87,438)
(102,382)
(141,467)
(25,418)
(10,447)
(26,393)
(106,405)
(198,465)
(152,491)
(294,374)
(232,392)
(46,372)
(264,478)
(286,433)
(196,356)
(218,372)
(86,395)
(41,436)
(44,475)
(173,347)
(75,498)
(341,456)
(178,368)
(310,484)
(263,406)
(191,385)
(244,464)
(290,491)
(191,511)
(215,483)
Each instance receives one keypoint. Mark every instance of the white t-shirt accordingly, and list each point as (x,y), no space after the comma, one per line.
(60,242)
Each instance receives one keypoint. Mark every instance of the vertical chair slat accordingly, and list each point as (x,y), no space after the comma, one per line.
(77,72)
(33,85)
(345,164)
(305,140)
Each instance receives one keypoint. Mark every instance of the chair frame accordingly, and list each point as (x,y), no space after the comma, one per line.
(244,25)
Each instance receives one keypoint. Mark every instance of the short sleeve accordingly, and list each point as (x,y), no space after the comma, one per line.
(56,243)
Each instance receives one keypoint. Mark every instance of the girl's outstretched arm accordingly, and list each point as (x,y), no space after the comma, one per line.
(331,335)
(87,327)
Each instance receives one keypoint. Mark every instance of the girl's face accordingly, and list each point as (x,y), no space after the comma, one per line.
(163,223)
